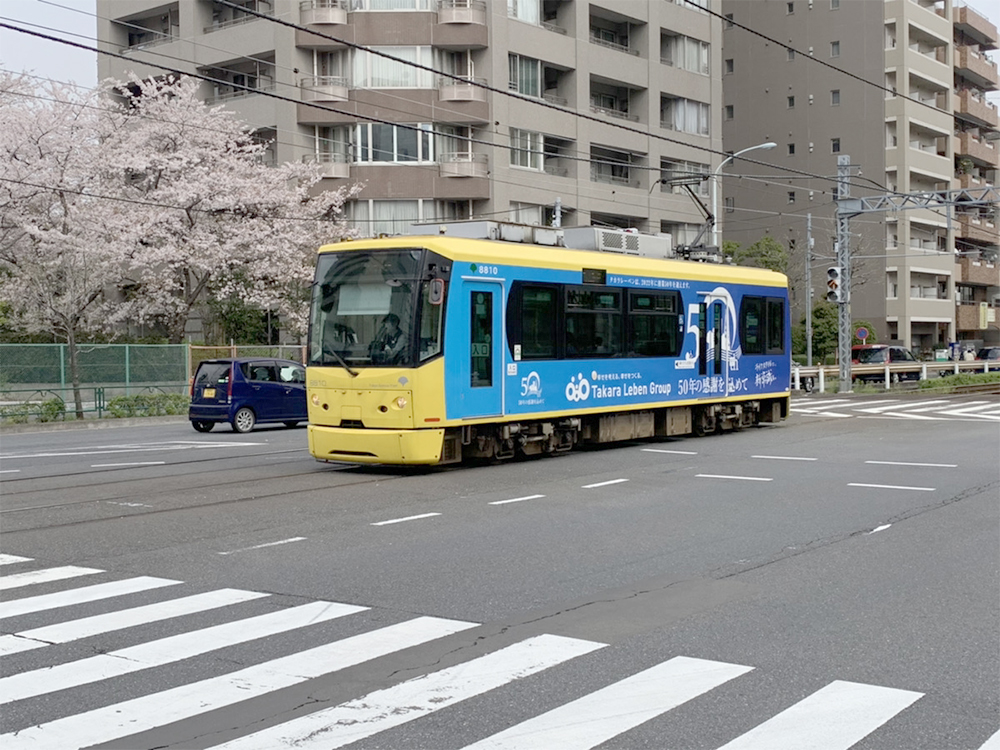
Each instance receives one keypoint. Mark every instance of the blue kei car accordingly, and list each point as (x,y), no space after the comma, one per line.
(244,392)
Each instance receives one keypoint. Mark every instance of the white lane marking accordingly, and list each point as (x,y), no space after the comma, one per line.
(384,709)
(517,499)
(133,463)
(662,450)
(110,622)
(167,650)
(150,711)
(31,577)
(834,718)
(126,449)
(786,458)
(891,487)
(408,518)
(877,529)
(725,476)
(906,463)
(825,414)
(899,415)
(262,546)
(10,471)
(993,743)
(601,715)
(11,559)
(82,595)
(899,406)
(128,505)
(603,484)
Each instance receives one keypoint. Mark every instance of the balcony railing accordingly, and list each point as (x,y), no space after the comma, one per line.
(323,12)
(331,165)
(153,42)
(450,90)
(613,113)
(464,164)
(324,89)
(238,21)
(601,175)
(462,11)
(618,46)
(225,96)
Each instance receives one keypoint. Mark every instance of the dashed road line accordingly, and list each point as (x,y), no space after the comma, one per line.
(407,518)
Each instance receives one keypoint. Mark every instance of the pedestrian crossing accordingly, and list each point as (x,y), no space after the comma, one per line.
(37,675)
(928,410)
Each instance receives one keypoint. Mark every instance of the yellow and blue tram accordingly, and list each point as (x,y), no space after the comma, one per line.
(433,349)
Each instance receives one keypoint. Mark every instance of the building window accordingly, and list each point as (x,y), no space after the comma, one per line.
(685,53)
(835,98)
(791,102)
(674,173)
(374,72)
(791,53)
(730,204)
(834,49)
(684,115)
(393,144)
(789,8)
(525,75)
(729,66)
(528,11)
(729,20)
(834,4)
(834,145)
(729,111)
(791,149)
(526,149)
(791,196)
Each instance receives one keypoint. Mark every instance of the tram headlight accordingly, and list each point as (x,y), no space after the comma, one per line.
(315,399)
(401,402)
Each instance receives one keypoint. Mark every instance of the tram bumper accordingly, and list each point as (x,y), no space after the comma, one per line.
(369,446)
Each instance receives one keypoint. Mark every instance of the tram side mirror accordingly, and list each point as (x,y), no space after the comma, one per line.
(435,295)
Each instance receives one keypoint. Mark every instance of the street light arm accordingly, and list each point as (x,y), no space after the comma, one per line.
(715,184)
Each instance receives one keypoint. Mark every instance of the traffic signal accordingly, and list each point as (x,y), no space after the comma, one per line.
(835,284)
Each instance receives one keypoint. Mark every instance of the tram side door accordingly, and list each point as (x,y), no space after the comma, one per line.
(484,387)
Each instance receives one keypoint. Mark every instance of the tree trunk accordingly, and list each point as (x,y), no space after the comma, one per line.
(74,370)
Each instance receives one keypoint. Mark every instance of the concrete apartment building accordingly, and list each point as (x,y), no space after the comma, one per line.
(924,278)
(651,65)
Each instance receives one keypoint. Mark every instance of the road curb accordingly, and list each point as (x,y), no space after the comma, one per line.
(89,424)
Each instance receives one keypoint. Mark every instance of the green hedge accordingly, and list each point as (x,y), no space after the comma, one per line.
(148,405)
(52,410)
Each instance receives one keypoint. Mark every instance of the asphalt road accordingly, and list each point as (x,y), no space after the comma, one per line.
(828,582)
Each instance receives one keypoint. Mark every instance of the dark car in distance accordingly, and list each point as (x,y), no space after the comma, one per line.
(991,353)
(245,392)
(883,354)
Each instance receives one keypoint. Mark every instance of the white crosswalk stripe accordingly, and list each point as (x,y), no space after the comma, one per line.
(377,712)
(834,717)
(48,575)
(940,409)
(608,712)
(121,619)
(11,559)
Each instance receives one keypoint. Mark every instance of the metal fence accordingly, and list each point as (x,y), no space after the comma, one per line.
(283,351)
(125,364)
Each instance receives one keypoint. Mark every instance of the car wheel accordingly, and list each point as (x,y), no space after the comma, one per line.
(203,426)
(244,420)
(291,424)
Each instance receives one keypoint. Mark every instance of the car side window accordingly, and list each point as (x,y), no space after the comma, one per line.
(291,374)
(262,373)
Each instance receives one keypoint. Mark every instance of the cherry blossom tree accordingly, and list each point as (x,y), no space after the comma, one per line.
(222,222)
(139,185)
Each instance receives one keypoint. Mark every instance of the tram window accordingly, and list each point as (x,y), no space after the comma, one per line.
(655,324)
(751,325)
(717,337)
(775,326)
(538,322)
(431,323)
(481,339)
(593,322)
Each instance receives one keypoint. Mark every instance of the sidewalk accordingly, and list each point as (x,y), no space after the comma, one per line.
(90,424)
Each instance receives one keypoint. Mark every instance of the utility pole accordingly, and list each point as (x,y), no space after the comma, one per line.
(809,290)
(844,265)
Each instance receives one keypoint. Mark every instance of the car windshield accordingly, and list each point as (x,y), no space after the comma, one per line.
(363,308)
(872,356)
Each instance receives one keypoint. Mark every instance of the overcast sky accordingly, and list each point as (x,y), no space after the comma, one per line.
(68,19)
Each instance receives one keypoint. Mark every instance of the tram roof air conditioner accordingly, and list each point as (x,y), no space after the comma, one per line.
(624,241)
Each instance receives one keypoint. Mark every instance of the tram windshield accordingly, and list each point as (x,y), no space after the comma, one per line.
(364,308)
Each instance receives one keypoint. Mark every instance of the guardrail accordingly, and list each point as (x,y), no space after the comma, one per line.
(815,378)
